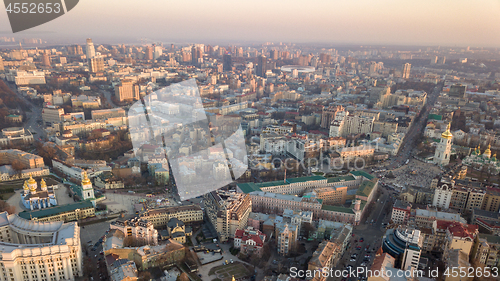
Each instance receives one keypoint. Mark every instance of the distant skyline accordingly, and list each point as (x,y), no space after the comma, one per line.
(381,22)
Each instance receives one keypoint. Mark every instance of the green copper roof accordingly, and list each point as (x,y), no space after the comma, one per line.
(362,173)
(43,213)
(337,209)
(365,188)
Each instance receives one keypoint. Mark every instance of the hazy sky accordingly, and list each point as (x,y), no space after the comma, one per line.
(404,22)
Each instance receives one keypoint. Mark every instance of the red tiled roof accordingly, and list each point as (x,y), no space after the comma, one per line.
(458,229)
(244,236)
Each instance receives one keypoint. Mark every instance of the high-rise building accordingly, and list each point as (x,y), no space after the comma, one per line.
(273,54)
(75,50)
(325,58)
(127,90)
(261,66)
(406,70)
(442,60)
(443,149)
(227,62)
(96,64)
(158,51)
(227,212)
(434,59)
(2,68)
(46,60)
(149,53)
(196,54)
(90,49)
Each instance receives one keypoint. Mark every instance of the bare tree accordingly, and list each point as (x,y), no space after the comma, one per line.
(6,207)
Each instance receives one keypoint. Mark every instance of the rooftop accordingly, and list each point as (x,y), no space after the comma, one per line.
(48,212)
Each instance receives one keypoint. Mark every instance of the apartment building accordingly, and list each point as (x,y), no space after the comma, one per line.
(491,201)
(187,214)
(127,90)
(486,250)
(52,114)
(137,228)
(287,235)
(466,199)
(424,218)
(354,153)
(28,160)
(443,194)
(227,211)
(327,255)
(488,222)
(103,114)
(334,195)
(401,212)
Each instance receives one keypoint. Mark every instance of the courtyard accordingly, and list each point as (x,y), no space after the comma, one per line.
(239,270)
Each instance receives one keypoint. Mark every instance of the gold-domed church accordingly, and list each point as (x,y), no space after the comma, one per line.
(37,197)
(478,160)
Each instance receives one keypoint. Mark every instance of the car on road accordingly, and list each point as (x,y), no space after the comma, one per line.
(353,260)
(361,240)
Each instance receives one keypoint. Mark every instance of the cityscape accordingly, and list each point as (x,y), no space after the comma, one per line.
(248,160)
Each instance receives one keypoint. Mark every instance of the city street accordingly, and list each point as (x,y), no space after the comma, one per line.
(415,131)
(371,233)
(33,118)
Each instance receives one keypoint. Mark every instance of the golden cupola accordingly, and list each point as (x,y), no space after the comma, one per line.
(25,186)
(43,184)
(31,180)
(447,134)
(487,152)
(85,180)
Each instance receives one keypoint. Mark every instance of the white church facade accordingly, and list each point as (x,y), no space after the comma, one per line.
(37,197)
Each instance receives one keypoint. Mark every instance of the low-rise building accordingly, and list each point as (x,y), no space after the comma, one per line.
(15,136)
(187,214)
(67,213)
(488,222)
(178,231)
(249,241)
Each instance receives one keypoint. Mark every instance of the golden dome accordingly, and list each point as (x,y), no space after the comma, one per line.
(25,186)
(31,180)
(85,179)
(447,134)
(488,151)
(43,183)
